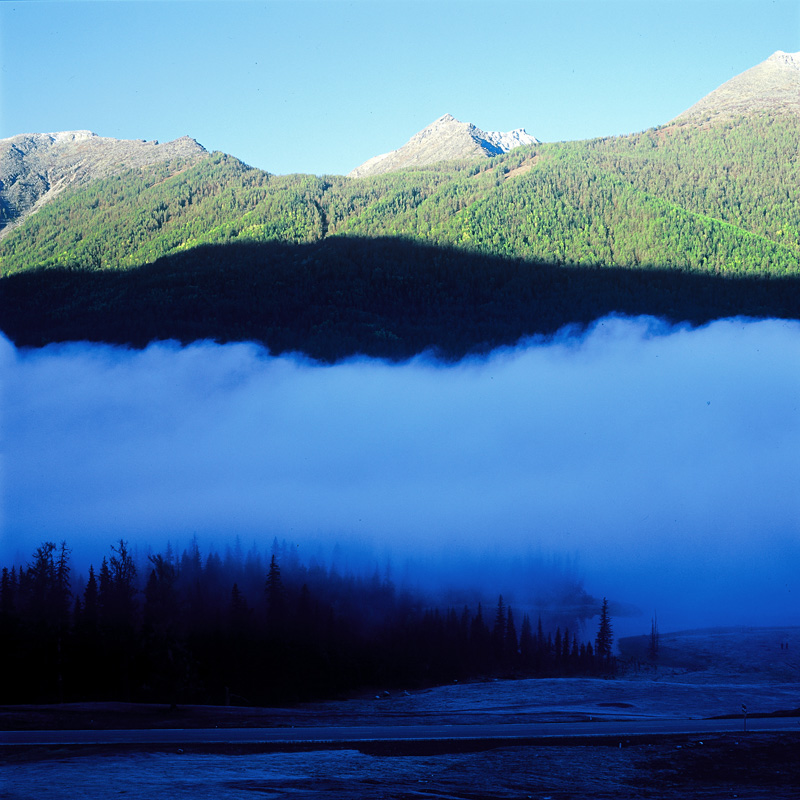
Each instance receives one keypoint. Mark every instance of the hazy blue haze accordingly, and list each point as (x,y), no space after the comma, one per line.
(665,459)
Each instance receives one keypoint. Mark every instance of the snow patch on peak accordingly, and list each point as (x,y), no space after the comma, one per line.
(71,136)
(445,139)
(786,60)
(510,139)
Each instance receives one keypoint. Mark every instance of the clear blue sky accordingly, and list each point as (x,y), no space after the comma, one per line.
(319,87)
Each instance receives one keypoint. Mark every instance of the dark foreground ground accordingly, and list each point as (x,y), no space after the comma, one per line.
(752,766)
(707,673)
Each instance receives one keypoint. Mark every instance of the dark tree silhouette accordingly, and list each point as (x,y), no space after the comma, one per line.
(499,630)
(652,649)
(605,635)
(276,595)
(316,633)
(511,641)
(527,644)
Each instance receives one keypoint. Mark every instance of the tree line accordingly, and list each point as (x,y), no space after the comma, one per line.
(254,630)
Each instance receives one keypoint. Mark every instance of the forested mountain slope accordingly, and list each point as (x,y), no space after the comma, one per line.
(345,295)
(36,167)
(547,223)
(725,199)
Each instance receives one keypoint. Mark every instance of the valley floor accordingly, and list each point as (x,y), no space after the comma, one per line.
(752,766)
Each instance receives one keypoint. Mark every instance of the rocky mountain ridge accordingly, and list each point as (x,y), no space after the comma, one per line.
(773,85)
(445,139)
(36,167)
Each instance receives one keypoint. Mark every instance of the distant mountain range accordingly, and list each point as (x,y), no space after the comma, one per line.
(37,167)
(460,240)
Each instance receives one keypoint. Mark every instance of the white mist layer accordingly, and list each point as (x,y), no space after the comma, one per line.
(667,459)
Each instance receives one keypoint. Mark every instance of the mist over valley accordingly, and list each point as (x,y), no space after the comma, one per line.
(656,464)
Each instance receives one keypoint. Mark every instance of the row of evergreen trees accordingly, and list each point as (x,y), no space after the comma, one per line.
(243,631)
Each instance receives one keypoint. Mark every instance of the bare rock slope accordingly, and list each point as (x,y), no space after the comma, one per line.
(773,85)
(36,167)
(444,140)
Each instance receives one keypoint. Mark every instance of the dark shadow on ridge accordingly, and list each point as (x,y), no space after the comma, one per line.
(387,298)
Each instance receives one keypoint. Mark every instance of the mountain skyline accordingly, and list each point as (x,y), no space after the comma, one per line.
(36,167)
(318,88)
(773,84)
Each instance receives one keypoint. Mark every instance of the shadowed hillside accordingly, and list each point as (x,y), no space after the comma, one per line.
(342,296)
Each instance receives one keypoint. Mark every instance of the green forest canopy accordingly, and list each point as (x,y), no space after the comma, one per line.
(724,200)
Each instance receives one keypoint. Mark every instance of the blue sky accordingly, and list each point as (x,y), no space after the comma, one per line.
(320,87)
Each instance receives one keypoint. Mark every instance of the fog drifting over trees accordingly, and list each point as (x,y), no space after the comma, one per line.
(664,461)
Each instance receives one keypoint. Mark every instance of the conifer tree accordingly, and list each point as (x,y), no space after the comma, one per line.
(605,636)
(540,640)
(90,602)
(276,596)
(104,600)
(499,629)
(557,649)
(480,638)
(565,647)
(7,593)
(652,650)
(123,591)
(511,641)
(527,644)
(61,587)
(238,612)
(40,580)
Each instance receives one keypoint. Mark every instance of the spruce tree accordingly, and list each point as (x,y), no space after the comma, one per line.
(557,649)
(511,642)
(527,644)
(7,593)
(90,602)
(499,630)
(605,636)
(276,597)
(652,650)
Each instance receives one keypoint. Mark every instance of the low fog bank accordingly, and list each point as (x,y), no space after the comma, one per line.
(661,463)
